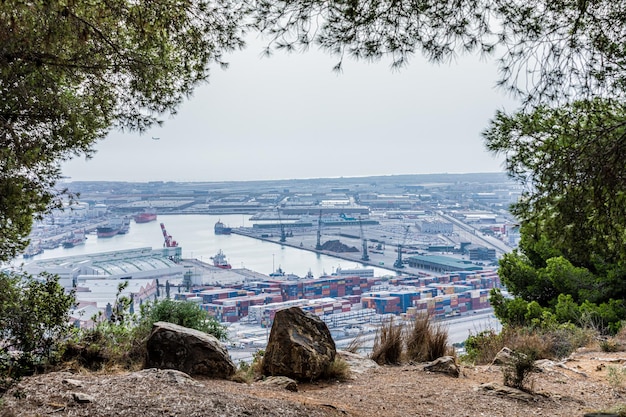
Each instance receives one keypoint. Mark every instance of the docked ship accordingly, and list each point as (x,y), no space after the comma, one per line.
(110,229)
(148,215)
(219,260)
(125,226)
(75,239)
(32,250)
(221,229)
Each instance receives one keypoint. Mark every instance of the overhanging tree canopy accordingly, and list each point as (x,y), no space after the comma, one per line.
(72,70)
(552,50)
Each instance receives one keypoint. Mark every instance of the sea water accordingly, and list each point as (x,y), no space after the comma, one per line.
(196,237)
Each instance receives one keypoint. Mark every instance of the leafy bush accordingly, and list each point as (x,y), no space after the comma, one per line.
(247,373)
(183,313)
(388,344)
(34,321)
(120,339)
(555,342)
(516,372)
(482,347)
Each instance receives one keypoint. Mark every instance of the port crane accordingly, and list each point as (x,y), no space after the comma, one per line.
(398,263)
(283,235)
(169,242)
(364,255)
(318,245)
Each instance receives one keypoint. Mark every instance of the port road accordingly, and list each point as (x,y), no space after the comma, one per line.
(459,328)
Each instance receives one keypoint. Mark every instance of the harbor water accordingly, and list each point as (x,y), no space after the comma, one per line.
(196,237)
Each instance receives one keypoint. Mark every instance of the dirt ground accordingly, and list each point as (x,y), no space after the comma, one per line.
(588,381)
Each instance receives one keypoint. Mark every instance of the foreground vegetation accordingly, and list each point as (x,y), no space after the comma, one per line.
(36,332)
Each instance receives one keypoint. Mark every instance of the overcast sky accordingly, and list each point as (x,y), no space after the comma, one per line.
(291,116)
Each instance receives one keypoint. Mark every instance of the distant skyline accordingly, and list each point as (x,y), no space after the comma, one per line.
(289,116)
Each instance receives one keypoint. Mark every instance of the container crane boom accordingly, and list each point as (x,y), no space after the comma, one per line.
(169,242)
(364,255)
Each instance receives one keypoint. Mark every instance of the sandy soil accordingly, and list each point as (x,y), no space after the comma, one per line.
(571,388)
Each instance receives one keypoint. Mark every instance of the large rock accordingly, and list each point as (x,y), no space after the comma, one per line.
(191,351)
(444,365)
(300,346)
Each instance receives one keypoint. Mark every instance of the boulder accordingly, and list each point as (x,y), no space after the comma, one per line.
(187,350)
(504,357)
(444,365)
(282,382)
(300,346)
(358,364)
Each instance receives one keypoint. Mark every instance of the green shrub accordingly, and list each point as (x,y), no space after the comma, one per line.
(121,339)
(482,347)
(247,373)
(34,322)
(517,371)
(556,342)
(183,313)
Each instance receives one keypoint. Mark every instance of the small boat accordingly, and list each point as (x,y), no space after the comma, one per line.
(278,273)
(219,260)
(221,229)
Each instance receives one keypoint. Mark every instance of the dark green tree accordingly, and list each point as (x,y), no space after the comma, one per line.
(572,161)
(71,71)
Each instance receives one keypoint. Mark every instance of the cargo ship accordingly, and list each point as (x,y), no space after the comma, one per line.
(221,229)
(32,251)
(110,229)
(75,239)
(148,215)
(219,260)
(125,226)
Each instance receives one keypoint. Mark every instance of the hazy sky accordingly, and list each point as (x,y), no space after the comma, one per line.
(291,116)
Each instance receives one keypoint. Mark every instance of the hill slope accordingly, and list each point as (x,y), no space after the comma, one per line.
(571,388)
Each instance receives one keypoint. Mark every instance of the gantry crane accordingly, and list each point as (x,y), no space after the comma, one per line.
(283,236)
(398,263)
(318,246)
(364,255)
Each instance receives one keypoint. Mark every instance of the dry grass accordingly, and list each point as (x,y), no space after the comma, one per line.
(426,341)
(356,344)
(417,338)
(339,369)
(388,343)
(542,343)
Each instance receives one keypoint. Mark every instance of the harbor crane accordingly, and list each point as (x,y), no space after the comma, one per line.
(364,255)
(398,263)
(318,245)
(169,242)
(283,235)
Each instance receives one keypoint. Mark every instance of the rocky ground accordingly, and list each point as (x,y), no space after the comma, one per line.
(590,380)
